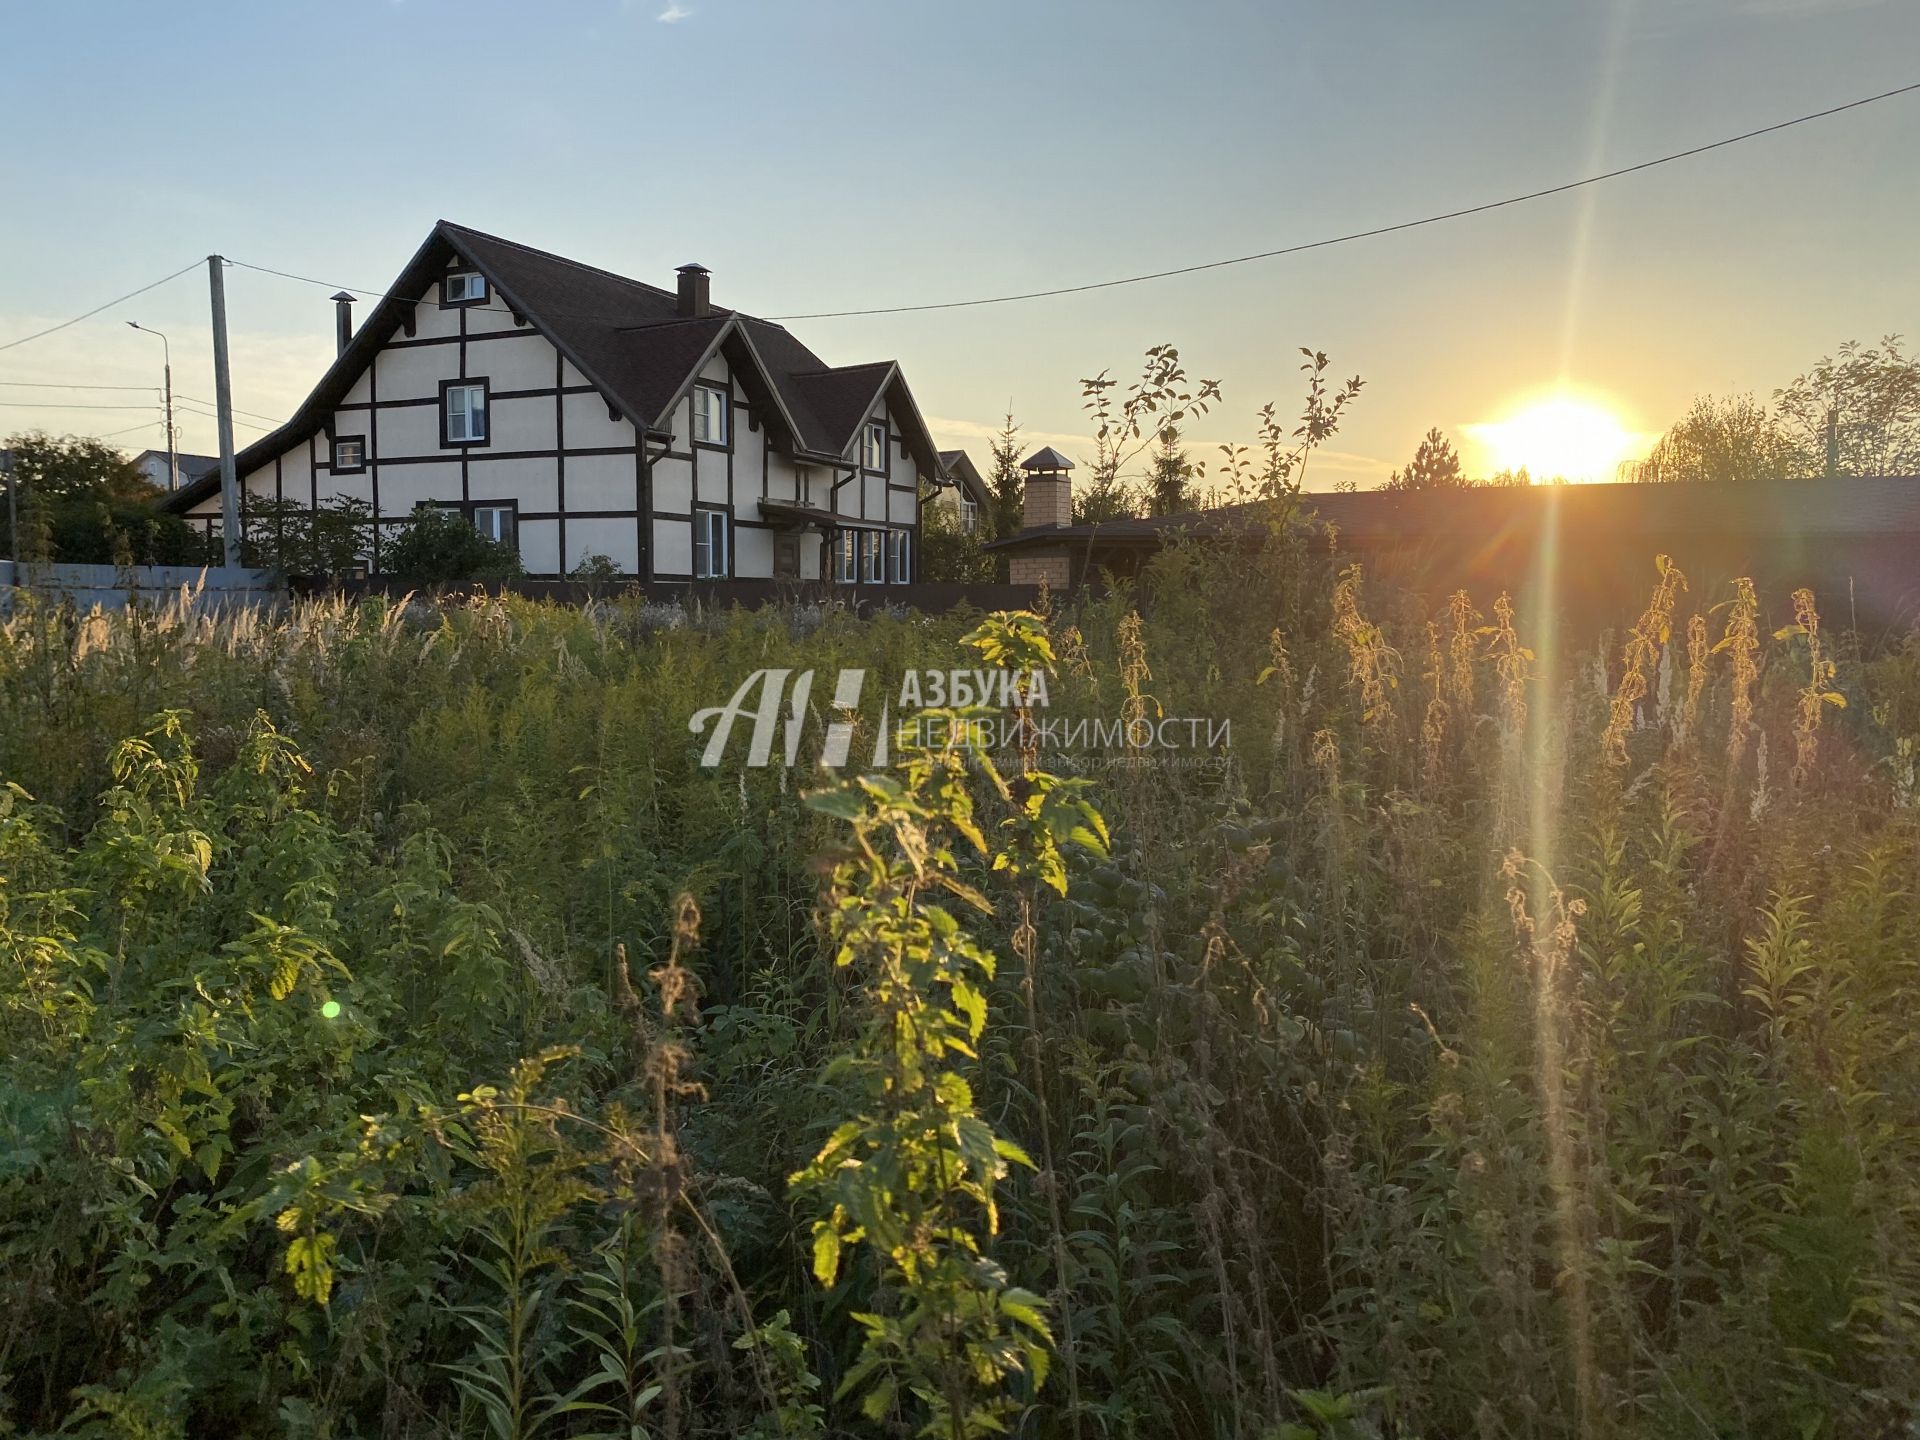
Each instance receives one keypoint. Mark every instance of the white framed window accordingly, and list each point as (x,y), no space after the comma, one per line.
(899,556)
(464,287)
(845,557)
(709,415)
(969,515)
(463,413)
(872,558)
(873,455)
(710,544)
(498,523)
(349,453)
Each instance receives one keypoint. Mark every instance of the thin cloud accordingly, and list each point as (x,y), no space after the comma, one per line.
(673,14)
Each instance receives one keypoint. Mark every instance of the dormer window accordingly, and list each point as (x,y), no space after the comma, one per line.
(463,287)
(709,415)
(874,455)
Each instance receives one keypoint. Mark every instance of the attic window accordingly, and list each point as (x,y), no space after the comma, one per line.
(709,415)
(874,456)
(349,454)
(463,287)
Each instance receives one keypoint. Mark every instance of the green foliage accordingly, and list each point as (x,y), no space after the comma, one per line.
(913,1176)
(441,547)
(1339,1123)
(1434,466)
(82,502)
(948,551)
(290,537)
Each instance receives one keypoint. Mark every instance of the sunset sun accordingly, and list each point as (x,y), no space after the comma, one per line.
(1563,436)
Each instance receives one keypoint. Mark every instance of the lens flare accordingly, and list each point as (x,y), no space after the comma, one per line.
(1560,437)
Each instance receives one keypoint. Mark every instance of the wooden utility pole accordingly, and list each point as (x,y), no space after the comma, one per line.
(223,406)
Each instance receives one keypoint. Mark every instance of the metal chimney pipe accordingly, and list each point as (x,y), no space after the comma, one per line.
(342,320)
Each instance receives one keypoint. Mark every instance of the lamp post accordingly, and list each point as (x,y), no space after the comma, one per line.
(166,355)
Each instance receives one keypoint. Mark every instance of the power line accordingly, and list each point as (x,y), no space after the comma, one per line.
(236,409)
(63,405)
(147,425)
(363,294)
(212,415)
(1365,234)
(68,385)
(39,334)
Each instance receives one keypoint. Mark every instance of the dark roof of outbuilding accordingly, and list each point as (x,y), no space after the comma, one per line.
(629,339)
(1837,506)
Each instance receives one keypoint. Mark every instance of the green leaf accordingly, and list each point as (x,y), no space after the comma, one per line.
(826,1252)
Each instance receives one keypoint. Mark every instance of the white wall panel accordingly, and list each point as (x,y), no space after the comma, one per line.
(430,322)
(672,486)
(524,362)
(404,486)
(534,483)
(490,317)
(523,424)
(711,468)
(900,507)
(360,391)
(540,546)
(296,473)
(404,430)
(618,540)
(602,482)
(752,553)
(874,487)
(672,547)
(749,463)
(588,427)
(415,373)
(351,487)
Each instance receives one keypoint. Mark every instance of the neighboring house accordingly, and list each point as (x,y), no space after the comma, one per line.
(571,412)
(962,489)
(1853,539)
(153,465)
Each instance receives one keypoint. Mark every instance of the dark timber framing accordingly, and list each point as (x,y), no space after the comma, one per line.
(798,432)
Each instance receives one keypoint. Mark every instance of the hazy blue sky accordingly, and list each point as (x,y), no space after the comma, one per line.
(860,152)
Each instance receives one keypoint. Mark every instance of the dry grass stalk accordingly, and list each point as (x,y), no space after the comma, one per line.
(1741,640)
(1817,693)
(1644,644)
(1370,660)
(1512,663)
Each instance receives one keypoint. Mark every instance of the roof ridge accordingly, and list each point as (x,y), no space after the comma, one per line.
(842,369)
(562,259)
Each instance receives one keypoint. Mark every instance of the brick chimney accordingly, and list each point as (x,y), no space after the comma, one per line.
(1048,490)
(693,291)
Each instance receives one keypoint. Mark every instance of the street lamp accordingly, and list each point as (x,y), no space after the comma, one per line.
(166,355)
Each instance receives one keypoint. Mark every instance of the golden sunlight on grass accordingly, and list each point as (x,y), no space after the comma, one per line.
(1562,435)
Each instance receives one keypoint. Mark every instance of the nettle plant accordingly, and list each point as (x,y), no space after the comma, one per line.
(912,1176)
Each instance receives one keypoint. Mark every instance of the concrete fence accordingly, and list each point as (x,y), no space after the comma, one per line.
(113,587)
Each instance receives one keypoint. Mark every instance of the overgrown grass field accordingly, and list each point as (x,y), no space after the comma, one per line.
(1505,1035)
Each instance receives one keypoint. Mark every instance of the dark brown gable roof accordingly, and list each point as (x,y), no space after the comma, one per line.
(627,338)
(842,398)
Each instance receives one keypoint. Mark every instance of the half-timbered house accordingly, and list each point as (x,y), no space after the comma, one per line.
(572,413)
